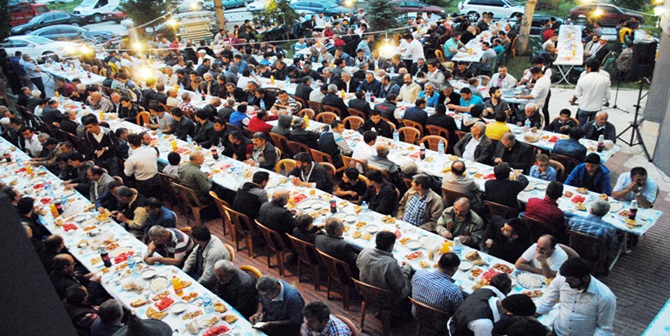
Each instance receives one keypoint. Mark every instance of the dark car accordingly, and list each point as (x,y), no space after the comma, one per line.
(49,19)
(326,7)
(539,20)
(70,33)
(608,15)
(412,6)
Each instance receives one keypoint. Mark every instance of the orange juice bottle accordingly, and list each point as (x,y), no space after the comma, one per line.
(102,115)
(176,87)
(445,247)
(29,169)
(54,211)
(174,145)
(176,285)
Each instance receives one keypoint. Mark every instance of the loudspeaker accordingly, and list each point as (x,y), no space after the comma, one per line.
(644,59)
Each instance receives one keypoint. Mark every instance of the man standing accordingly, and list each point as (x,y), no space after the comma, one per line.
(475,146)
(192,177)
(592,89)
(541,89)
(309,174)
(34,73)
(236,287)
(592,175)
(143,166)
(636,185)
(459,221)
(587,305)
(207,251)
(436,288)
(333,244)
(102,142)
(280,307)
(101,181)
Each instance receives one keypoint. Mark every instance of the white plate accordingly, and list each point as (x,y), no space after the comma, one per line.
(68,193)
(159,284)
(541,186)
(351,219)
(465,265)
(317,206)
(371,228)
(424,240)
(404,152)
(413,244)
(304,205)
(473,170)
(148,274)
(178,308)
(615,206)
(530,186)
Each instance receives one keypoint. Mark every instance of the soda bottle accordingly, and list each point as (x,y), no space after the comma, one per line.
(59,206)
(422,152)
(333,206)
(105,256)
(215,154)
(601,143)
(202,96)
(176,285)
(632,211)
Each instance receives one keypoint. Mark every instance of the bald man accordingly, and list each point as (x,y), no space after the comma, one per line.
(274,214)
(459,221)
(594,128)
(191,176)
(63,276)
(543,257)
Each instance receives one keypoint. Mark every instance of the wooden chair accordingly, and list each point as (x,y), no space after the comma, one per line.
(340,273)
(559,168)
(450,196)
(281,142)
(307,255)
(501,210)
(593,249)
(392,125)
(437,130)
(297,147)
(440,56)
(319,156)
(332,109)
(353,122)
(357,113)
(430,319)
(192,202)
(307,112)
(365,180)
(326,117)
(379,298)
(539,228)
(351,162)
(460,134)
(568,250)
(242,226)
(143,118)
(433,142)
(253,271)
(569,163)
(316,106)
(170,194)
(409,123)
(484,80)
(231,251)
(350,324)
(220,205)
(286,164)
(165,107)
(409,134)
(302,102)
(331,172)
(276,245)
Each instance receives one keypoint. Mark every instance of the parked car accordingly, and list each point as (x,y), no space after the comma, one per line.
(38,47)
(22,12)
(49,19)
(413,6)
(500,8)
(96,10)
(608,15)
(70,33)
(537,26)
(116,16)
(326,7)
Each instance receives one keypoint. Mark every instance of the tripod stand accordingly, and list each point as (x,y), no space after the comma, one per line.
(635,126)
(616,97)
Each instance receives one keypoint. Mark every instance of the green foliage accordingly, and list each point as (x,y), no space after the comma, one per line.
(548,5)
(382,15)
(143,11)
(66,6)
(440,3)
(631,4)
(277,13)
(5,17)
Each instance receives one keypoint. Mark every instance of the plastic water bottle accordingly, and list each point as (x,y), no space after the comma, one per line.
(527,125)
(440,148)
(189,140)
(458,246)
(368,96)
(396,136)
(19,162)
(262,105)
(392,71)
(288,81)
(48,189)
(207,304)
(365,209)
(159,133)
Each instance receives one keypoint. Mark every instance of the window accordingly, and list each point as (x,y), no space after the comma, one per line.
(412,4)
(477,2)
(18,44)
(60,16)
(41,9)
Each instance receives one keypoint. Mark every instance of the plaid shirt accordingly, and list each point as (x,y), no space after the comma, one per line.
(187,108)
(415,211)
(437,290)
(594,226)
(334,327)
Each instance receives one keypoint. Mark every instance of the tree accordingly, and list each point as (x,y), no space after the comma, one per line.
(278,13)
(220,19)
(382,15)
(5,17)
(637,5)
(144,11)
(524,32)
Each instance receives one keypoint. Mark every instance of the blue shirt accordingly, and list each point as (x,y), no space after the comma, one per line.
(450,44)
(31,70)
(431,101)
(594,226)
(164,218)
(236,119)
(437,290)
(366,48)
(571,148)
(549,175)
(287,305)
(416,210)
(242,66)
(648,190)
(474,100)
(499,49)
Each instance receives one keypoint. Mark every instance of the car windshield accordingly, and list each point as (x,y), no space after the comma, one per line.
(511,2)
(37,39)
(35,19)
(88,3)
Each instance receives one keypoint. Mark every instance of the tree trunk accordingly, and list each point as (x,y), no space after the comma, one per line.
(524,31)
(220,19)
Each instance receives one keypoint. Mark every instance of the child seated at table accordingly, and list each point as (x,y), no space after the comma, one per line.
(173,158)
(542,169)
(562,124)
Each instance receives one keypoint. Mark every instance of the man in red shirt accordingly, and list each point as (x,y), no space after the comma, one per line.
(258,123)
(546,210)
(64,88)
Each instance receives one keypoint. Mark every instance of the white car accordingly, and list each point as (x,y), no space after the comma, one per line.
(38,47)
(500,8)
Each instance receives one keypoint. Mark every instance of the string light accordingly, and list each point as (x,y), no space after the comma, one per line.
(137,46)
(598,12)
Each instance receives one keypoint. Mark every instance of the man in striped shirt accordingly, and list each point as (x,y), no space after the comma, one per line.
(319,322)
(171,243)
(436,288)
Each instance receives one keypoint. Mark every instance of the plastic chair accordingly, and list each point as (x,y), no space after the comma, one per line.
(539,228)
(192,202)
(253,271)
(319,156)
(460,134)
(349,162)
(484,80)
(575,120)
(356,113)
(559,168)
(307,112)
(340,273)
(307,255)
(430,319)
(450,196)
(569,163)
(379,298)
(410,123)
(276,244)
(433,142)
(409,134)
(143,118)
(242,226)
(225,221)
(331,171)
(326,117)
(231,251)
(302,102)
(297,147)
(286,164)
(501,210)
(353,122)
(437,130)
(332,109)
(280,141)
(316,106)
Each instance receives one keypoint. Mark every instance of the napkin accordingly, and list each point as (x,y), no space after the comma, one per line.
(553,139)
(489,176)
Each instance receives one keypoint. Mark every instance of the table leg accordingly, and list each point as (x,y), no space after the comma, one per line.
(622,249)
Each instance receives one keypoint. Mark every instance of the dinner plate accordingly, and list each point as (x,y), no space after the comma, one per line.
(68,193)
(473,170)
(413,244)
(317,206)
(541,186)
(465,265)
(159,284)
(530,186)
(424,240)
(372,228)
(537,276)
(615,206)
(148,274)
(178,308)
(304,205)
(351,219)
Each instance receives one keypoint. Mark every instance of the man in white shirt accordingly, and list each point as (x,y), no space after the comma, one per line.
(435,76)
(411,50)
(409,91)
(32,143)
(541,89)
(587,305)
(502,79)
(366,148)
(142,164)
(592,90)
(544,257)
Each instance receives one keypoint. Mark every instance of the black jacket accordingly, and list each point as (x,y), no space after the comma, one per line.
(318,176)
(383,128)
(333,100)
(520,157)
(503,248)
(240,292)
(109,140)
(338,248)
(445,121)
(387,109)
(483,151)
(505,191)
(385,202)
(182,128)
(303,91)
(204,134)
(302,135)
(69,126)
(248,200)
(361,105)
(277,218)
